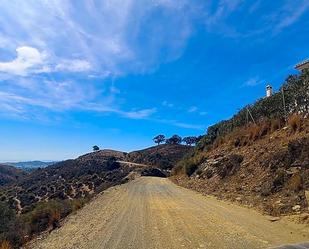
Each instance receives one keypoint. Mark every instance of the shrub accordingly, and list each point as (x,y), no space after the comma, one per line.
(295,122)
(254,132)
(187,166)
(177,170)
(275,124)
(11,228)
(190,167)
(295,183)
(264,128)
(219,141)
(78,203)
(47,215)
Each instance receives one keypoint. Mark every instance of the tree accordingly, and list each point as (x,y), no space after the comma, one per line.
(175,139)
(95,148)
(190,140)
(159,139)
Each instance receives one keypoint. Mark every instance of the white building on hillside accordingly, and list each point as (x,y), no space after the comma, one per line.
(269,91)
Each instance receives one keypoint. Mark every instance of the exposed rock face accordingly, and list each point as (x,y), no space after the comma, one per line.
(222,166)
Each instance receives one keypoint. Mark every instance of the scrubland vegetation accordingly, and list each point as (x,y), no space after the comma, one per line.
(260,156)
(15,229)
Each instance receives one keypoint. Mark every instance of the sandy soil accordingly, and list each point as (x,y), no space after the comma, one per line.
(155,213)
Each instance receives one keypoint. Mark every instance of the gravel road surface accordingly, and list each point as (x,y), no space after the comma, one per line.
(153,212)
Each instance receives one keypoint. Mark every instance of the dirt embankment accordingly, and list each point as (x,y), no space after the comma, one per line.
(153,212)
(270,174)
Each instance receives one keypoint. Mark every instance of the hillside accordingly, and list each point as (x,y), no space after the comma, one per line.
(45,196)
(10,174)
(259,157)
(83,176)
(270,173)
(40,200)
(164,156)
(70,179)
(103,155)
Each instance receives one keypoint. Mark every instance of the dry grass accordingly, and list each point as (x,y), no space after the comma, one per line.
(275,124)
(5,245)
(254,132)
(219,141)
(295,183)
(54,219)
(247,135)
(295,122)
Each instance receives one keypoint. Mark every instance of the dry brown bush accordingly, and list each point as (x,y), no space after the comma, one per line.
(295,122)
(295,183)
(54,219)
(265,128)
(275,124)
(5,245)
(219,141)
(254,132)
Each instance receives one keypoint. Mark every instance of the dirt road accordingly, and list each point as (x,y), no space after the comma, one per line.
(154,213)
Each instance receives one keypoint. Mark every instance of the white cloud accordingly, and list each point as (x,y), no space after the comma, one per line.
(28,60)
(97,39)
(139,114)
(73,66)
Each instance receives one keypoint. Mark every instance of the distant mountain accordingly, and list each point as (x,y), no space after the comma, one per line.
(30,165)
(10,174)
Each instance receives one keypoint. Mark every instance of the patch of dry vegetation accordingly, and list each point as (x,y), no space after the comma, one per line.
(263,165)
(5,245)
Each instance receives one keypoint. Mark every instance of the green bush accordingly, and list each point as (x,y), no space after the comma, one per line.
(11,228)
(47,215)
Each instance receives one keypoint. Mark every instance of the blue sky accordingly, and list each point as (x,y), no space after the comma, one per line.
(117,72)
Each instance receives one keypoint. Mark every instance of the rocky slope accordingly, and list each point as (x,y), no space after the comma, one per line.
(270,173)
(10,174)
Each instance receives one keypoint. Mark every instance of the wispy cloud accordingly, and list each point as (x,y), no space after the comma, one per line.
(52,40)
(269,18)
(290,15)
(53,53)
(167,104)
(193,109)
(75,65)
(254,81)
